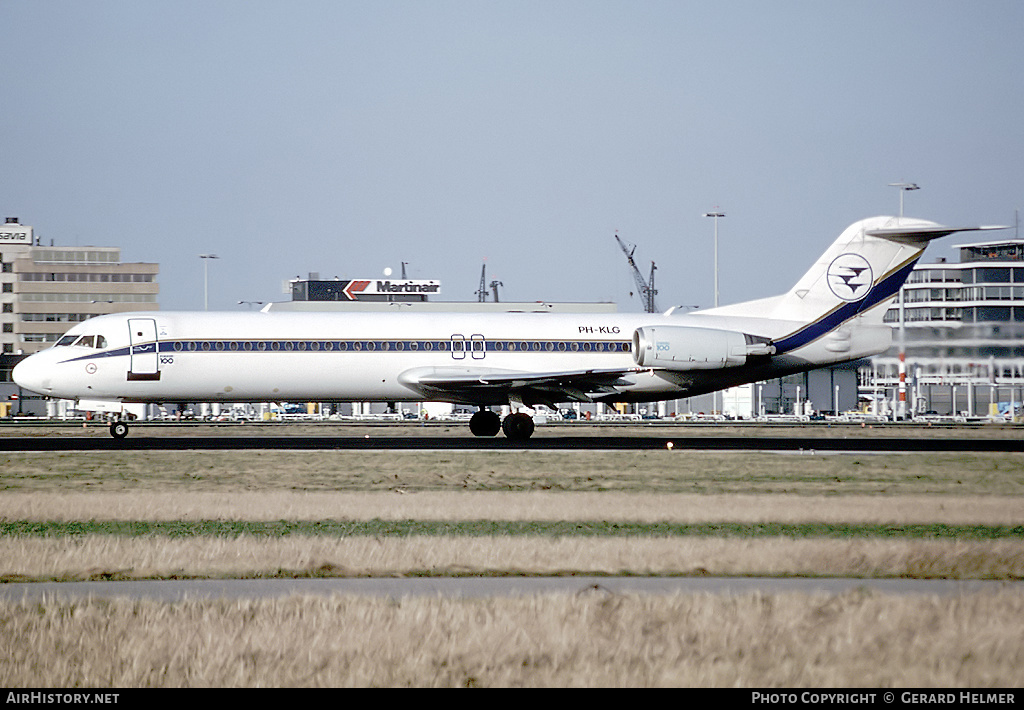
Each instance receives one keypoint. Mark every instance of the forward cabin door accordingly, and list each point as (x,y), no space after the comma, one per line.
(144,349)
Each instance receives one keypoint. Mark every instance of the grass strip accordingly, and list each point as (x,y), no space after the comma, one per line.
(481,528)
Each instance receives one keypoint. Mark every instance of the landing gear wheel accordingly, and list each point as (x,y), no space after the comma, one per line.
(518,426)
(118,429)
(485,423)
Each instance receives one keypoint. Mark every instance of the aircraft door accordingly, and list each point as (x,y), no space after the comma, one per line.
(478,346)
(458,347)
(143,350)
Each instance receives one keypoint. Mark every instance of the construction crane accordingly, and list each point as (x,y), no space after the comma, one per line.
(645,290)
(481,294)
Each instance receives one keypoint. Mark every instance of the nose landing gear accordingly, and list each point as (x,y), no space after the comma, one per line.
(118,429)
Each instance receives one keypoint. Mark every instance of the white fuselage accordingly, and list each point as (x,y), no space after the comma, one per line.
(255,357)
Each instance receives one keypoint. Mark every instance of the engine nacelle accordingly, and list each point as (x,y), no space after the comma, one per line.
(676,347)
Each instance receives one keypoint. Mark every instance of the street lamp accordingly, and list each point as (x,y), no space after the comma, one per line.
(901,407)
(206,279)
(904,187)
(716,215)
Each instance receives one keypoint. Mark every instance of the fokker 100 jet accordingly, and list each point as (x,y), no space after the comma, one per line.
(833,314)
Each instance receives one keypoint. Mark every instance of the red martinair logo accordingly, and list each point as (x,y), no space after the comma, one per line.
(353,288)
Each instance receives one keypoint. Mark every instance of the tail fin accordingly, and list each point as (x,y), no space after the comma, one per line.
(859,274)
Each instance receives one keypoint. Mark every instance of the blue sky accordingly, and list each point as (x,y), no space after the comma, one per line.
(344,137)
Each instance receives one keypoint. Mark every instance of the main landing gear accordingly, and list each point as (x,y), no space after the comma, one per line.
(517,426)
(485,423)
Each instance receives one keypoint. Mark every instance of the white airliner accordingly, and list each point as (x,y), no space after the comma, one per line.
(833,314)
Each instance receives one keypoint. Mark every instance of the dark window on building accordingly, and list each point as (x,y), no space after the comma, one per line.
(996,276)
(993,313)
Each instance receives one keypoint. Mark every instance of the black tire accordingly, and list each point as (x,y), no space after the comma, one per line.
(485,423)
(518,426)
(118,430)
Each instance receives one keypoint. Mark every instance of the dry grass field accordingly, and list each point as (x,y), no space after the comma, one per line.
(81,515)
(592,640)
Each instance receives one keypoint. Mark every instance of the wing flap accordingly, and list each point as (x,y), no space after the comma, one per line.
(467,384)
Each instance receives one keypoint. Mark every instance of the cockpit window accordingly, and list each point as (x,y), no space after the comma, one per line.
(66,340)
(86,341)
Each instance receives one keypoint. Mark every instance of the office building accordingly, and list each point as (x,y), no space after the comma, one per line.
(44,290)
(962,327)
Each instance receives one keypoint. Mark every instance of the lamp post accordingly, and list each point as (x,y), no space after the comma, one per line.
(206,279)
(901,407)
(716,215)
(904,187)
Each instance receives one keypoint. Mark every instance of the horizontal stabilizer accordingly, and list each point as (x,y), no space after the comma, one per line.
(919,235)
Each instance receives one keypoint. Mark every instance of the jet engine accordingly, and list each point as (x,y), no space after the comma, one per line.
(677,347)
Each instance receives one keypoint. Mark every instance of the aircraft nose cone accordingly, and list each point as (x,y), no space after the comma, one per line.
(32,374)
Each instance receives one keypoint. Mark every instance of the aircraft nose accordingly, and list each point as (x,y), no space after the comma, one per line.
(32,374)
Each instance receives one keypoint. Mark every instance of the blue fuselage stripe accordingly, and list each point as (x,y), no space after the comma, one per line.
(370,346)
(886,288)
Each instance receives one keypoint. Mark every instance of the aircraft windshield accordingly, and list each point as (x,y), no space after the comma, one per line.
(66,340)
(97,341)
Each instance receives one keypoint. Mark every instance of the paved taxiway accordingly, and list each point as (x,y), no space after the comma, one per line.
(142,442)
(478,587)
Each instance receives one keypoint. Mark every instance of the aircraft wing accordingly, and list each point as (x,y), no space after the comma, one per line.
(473,385)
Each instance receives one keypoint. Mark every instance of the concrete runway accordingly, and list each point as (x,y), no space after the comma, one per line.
(139,441)
(480,587)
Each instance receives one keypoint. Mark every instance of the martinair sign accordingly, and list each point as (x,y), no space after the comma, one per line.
(355,289)
(15,234)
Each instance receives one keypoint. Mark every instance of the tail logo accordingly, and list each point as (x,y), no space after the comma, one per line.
(849,276)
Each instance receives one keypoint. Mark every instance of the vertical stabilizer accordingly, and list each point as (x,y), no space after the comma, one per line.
(859,274)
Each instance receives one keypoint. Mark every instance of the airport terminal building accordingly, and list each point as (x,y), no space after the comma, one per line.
(47,289)
(44,290)
(962,324)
